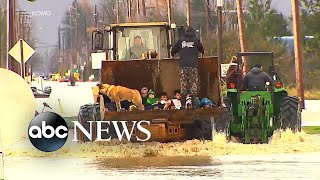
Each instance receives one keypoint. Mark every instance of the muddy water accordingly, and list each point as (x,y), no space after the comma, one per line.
(280,166)
(217,159)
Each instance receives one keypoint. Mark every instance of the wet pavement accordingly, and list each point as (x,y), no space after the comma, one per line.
(280,166)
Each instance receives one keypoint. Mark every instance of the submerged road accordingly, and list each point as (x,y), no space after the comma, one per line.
(280,166)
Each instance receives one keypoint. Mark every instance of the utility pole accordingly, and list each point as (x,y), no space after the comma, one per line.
(2,42)
(63,51)
(169,9)
(220,31)
(71,44)
(133,8)
(77,35)
(70,28)
(129,8)
(206,6)
(11,35)
(22,16)
(95,16)
(19,24)
(85,37)
(27,26)
(242,35)
(60,49)
(22,26)
(118,12)
(298,50)
(23,29)
(188,13)
(143,5)
(138,7)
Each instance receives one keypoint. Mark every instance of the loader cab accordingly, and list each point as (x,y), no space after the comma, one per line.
(118,40)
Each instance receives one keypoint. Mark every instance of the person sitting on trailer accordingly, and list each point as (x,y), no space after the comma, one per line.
(163,100)
(256,79)
(232,73)
(152,100)
(175,102)
(144,95)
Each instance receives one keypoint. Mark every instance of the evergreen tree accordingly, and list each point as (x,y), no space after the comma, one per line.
(263,24)
(311,27)
(264,20)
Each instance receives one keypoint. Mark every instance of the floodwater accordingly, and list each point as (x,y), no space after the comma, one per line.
(289,155)
(27,164)
(280,166)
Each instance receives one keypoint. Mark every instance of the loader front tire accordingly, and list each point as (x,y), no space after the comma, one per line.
(222,123)
(85,115)
(202,129)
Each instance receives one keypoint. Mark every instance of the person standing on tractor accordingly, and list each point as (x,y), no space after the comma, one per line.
(189,47)
(256,79)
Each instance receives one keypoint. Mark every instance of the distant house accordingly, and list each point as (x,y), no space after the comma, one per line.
(289,41)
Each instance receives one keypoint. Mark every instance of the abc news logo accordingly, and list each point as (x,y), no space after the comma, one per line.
(49,132)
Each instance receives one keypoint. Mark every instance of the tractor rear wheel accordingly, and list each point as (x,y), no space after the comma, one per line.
(290,113)
(85,115)
(222,123)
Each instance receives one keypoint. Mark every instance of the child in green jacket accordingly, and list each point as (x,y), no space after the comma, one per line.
(152,99)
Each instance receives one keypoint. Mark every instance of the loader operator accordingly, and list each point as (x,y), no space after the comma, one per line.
(137,49)
(256,79)
(188,46)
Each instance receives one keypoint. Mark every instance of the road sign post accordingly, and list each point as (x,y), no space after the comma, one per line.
(21,59)
(21,52)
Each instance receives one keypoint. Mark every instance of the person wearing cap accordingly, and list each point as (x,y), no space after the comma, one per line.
(256,79)
(188,47)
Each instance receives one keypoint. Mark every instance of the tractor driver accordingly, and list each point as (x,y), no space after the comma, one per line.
(256,79)
(137,49)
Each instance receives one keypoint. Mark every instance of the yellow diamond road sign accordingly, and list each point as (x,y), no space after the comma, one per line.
(15,51)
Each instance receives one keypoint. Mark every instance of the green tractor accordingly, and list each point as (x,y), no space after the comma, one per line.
(255,115)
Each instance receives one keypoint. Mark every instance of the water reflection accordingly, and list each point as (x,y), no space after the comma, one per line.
(143,162)
(282,166)
(277,166)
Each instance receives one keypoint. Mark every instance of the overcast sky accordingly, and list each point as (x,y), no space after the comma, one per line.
(46,27)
